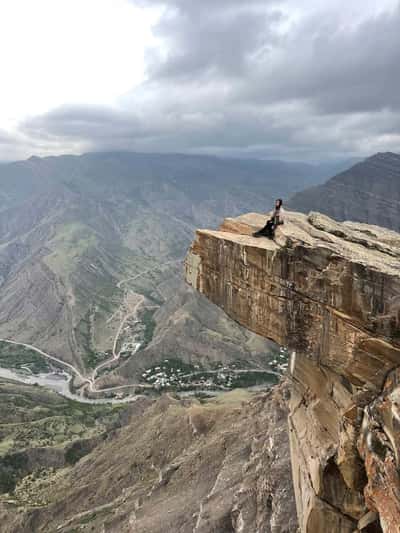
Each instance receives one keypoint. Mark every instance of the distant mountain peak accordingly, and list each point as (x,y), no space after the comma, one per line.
(383,156)
(367,192)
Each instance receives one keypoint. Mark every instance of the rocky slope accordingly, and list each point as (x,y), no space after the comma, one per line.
(221,466)
(367,192)
(331,292)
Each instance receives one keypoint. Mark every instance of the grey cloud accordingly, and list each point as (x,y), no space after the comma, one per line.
(6,138)
(12,146)
(288,131)
(81,122)
(239,79)
(212,38)
(337,69)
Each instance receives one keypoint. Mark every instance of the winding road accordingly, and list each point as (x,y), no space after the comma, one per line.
(116,354)
(48,356)
(90,381)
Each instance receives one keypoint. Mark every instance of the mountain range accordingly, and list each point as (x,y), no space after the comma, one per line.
(72,228)
(367,192)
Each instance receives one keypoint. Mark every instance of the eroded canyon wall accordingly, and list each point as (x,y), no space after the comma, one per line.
(331,293)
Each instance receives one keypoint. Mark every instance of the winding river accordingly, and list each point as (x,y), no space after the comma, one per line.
(59,382)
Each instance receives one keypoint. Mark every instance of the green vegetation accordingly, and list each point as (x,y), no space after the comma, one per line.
(96,293)
(106,296)
(92,359)
(89,518)
(83,335)
(10,468)
(33,417)
(149,293)
(77,450)
(278,360)
(147,319)
(21,358)
(238,363)
(175,375)
(251,379)
(71,241)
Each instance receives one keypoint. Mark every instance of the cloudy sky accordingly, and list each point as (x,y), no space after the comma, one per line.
(292,79)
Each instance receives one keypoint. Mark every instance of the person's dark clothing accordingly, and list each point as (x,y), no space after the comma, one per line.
(268,230)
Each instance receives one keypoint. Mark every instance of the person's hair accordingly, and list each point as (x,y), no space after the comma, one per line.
(280,201)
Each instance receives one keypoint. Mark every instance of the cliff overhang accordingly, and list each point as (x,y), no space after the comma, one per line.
(330,292)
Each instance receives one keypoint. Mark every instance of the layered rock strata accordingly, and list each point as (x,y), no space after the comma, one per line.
(331,293)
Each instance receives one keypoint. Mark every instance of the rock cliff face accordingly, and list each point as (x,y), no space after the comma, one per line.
(331,293)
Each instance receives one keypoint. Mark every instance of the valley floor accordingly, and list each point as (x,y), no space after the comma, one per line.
(177,465)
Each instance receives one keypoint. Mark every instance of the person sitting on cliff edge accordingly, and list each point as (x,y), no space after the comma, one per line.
(277,219)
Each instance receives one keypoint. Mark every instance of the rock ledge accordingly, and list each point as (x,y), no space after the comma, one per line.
(331,293)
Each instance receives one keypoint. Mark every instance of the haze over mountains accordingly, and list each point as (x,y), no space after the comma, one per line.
(367,192)
(72,227)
